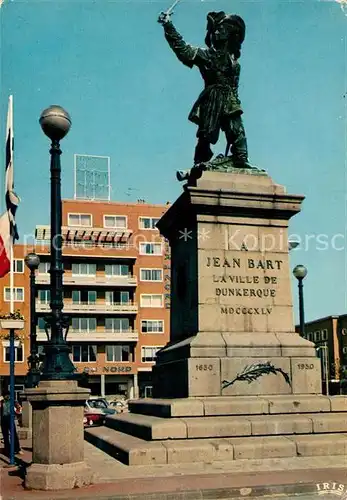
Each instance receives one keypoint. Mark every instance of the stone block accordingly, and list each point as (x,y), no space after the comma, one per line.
(58,477)
(293,345)
(338,403)
(58,434)
(223,450)
(127,449)
(208,427)
(148,427)
(272,425)
(193,377)
(168,408)
(306,375)
(27,414)
(259,448)
(250,345)
(204,377)
(207,345)
(266,383)
(24,433)
(333,422)
(245,316)
(179,452)
(235,406)
(298,404)
(320,445)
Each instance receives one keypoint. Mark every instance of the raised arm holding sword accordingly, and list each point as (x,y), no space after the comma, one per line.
(218,107)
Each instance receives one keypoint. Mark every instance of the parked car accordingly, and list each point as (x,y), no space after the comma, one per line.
(120,406)
(100,404)
(95,411)
(93,417)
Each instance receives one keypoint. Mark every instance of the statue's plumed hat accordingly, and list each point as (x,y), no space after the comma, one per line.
(216,18)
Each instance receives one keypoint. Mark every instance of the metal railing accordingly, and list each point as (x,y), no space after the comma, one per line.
(69,279)
(94,307)
(96,335)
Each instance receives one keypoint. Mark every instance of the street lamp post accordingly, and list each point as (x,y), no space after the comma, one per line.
(33,377)
(57,403)
(300,273)
(55,123)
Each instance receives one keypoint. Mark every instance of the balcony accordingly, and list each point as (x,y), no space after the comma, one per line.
(68,279)
(93,308)
(96,336)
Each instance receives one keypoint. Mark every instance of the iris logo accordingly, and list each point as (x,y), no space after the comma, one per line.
(331,488)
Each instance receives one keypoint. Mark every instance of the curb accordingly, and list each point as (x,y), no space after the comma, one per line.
(201,494)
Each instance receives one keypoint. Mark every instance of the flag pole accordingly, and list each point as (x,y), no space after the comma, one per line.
(12,346)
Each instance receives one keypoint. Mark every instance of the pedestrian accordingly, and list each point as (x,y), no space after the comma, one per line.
(5,413)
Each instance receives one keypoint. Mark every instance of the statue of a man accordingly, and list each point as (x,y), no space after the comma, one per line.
(218,107)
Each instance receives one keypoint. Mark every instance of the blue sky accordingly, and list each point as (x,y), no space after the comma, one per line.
(108,64)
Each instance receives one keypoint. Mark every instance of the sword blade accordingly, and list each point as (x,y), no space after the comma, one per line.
(172,7)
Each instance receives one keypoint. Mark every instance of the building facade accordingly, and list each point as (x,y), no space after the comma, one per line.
(330,337)
(116,286)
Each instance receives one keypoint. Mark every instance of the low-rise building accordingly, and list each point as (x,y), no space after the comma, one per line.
(330,337)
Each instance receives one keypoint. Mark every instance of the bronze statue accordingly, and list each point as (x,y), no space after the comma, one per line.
(218,108)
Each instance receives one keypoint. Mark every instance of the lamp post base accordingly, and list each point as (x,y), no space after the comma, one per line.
(56,477)
(58,436)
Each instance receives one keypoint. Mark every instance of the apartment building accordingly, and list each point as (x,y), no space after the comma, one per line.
(116,288)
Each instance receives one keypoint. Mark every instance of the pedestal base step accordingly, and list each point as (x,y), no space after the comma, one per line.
(135,451)
(238,405)
(156,428)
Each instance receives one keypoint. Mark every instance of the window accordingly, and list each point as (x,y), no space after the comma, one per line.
(152,326)
(149,353)
(324,334)
(83,269)
(115,221)
(80,220)
(18,354)
(124,297)
(309,336)
(18,266)
(117,324)
(117,353)
(117,270)
(41,323)
(151,274)
(91,297)
(84,353)
(344,350)
(76,297)
(147,248)
(18,294)
(83,324)
(148,222)
(151,300)
(109,298)
(44,296)
(44,267)
(317,337)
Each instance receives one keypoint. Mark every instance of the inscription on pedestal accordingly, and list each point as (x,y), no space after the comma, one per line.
(259,282)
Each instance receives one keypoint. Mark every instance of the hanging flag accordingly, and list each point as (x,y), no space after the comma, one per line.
(8,226)
(5,245)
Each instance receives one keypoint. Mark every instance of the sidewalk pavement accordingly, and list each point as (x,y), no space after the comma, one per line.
(226,480)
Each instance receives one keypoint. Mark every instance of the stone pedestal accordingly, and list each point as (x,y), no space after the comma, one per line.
(235,381)
(58,441)
(25,430)
(232,330)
